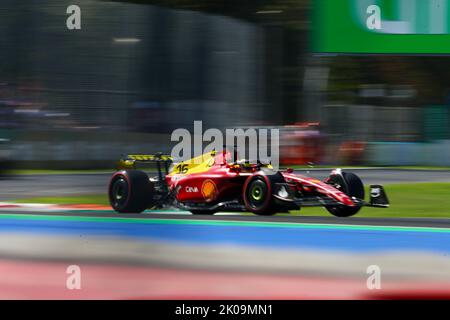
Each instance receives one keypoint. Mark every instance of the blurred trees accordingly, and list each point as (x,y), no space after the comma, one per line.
(292,11)
(287,26)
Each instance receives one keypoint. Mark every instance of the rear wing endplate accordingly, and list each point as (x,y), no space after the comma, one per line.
(132,161)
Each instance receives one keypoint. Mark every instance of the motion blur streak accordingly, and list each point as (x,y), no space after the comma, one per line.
(139,69)
(42,280)
(215,258)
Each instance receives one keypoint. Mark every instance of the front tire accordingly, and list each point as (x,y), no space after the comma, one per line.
(130,191)
(351,185)
(257,194)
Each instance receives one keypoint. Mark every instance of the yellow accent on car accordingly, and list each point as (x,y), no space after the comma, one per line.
(195,165)
(125,164)
(129,161)
(148,157)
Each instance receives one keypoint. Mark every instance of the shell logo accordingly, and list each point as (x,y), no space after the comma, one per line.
(209,190)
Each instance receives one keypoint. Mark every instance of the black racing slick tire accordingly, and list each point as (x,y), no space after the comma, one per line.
(257,194)
(130,191)
(351,185)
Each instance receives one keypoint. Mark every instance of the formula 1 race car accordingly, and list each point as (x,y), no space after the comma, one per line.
(213,182)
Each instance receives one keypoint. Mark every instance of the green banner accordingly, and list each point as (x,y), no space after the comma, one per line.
(381,26)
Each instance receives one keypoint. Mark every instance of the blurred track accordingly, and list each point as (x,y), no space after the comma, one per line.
(184,215)
(83,184)
(190,257)
(284,232)
(172,254)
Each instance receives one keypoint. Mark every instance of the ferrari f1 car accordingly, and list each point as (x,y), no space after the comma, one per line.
(213,182)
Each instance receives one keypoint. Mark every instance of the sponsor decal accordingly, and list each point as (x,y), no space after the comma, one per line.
(209,190)
(176,177)
(375,192)
(191,189)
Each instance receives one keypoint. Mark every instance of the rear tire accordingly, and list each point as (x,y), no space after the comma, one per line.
(351,185)
(130,191)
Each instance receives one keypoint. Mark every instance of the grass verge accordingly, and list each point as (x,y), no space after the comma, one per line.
(100,199)
(406,200)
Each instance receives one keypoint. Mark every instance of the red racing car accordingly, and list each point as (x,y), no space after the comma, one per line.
(213,182)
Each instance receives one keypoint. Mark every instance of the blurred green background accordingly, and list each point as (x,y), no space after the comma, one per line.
(137,70)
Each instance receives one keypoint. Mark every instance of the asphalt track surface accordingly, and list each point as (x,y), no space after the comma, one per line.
(60,185)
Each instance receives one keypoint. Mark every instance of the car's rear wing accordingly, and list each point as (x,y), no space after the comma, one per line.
(136,161)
